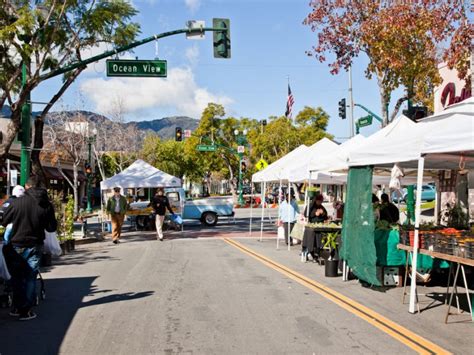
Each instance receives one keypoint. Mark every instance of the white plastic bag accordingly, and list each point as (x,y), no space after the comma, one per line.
(281,232)
(51,244)
(4,274)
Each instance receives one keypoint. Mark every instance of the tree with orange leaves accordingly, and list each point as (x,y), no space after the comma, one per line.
(404,41)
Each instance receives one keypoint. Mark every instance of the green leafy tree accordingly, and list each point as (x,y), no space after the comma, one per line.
(281,136)
(168,156)
(47,35)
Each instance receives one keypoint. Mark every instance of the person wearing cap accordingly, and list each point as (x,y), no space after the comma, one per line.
(160,204)
(116,207)
(31,215)
(17,192)
(317,212)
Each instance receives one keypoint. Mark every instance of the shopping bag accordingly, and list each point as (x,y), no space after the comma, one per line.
(298,231)
(176,219)
(51,244)
(281,232)
(4,274)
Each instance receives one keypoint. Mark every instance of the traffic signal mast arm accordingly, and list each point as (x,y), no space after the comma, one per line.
(122,49)
(370,112)
(232,150)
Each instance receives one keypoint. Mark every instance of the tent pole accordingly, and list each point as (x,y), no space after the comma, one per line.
(251,209)
(263,186)
(288,201)
(101,219)
(306,202)
(279,217)
(421,166)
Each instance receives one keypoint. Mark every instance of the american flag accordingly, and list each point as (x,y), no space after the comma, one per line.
(289,103)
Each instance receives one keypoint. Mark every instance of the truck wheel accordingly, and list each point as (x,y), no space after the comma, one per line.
(209,218)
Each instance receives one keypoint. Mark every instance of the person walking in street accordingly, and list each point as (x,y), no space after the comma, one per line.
(288,214)
(116,207)
(160,203)
(30,215)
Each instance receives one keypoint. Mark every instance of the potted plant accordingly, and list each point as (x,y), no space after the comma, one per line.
(331,264)
(458,218)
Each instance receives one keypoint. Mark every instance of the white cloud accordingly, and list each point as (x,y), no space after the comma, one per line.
(192,54)
(193,5)
(178,92)
(99,67)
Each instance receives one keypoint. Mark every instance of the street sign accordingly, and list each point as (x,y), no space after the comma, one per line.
(13,177)
(206,148)
(240,149)
(187,133)
(261,164)
(137,68)
(365,121)
(195,29)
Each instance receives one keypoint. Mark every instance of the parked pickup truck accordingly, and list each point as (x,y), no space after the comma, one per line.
(206,210)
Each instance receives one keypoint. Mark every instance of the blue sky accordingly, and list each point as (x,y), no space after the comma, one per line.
(268,45)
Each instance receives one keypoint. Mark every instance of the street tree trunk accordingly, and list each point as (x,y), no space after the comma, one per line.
(75,189)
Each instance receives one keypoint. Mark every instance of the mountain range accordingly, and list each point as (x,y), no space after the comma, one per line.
(163,127)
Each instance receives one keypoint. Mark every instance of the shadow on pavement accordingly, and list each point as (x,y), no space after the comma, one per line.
(45,334)
(79,257)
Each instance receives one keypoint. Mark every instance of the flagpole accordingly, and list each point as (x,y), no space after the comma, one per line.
(292,117)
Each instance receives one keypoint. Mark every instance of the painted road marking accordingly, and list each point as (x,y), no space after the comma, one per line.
(402,334)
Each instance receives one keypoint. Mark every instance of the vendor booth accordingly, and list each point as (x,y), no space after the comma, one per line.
(444,141)
(279,171)
(139,175)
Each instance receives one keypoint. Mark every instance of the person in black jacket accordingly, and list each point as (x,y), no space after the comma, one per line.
(160,203)
(30,215)
(388,211)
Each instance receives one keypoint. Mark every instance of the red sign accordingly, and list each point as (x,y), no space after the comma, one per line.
(448,95)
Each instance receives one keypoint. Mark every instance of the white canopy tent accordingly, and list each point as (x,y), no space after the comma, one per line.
(273,173)
(140,174)
(298,170)
(442,141)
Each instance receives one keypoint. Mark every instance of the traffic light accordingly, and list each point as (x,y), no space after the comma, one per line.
(221,39)
(342,109)
(178,134)
(244,166)
(416,113)
(264,122)
(88,169)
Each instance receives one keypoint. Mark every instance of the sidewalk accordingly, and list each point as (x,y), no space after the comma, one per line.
(456,336)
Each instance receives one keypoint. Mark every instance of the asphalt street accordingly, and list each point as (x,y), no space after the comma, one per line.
(192,295)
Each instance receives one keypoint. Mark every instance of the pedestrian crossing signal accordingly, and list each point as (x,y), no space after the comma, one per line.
(88,169)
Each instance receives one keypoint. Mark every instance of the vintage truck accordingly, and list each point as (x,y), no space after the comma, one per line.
(207,210)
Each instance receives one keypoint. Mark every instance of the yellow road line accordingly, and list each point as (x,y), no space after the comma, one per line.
(402,334)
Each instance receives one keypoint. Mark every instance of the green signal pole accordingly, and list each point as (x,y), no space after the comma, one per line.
(25,162)
(377,117)
(89,178)
(26,108)
(241,193)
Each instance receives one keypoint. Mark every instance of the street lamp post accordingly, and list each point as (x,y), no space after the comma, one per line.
(90,141)
(241,138)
